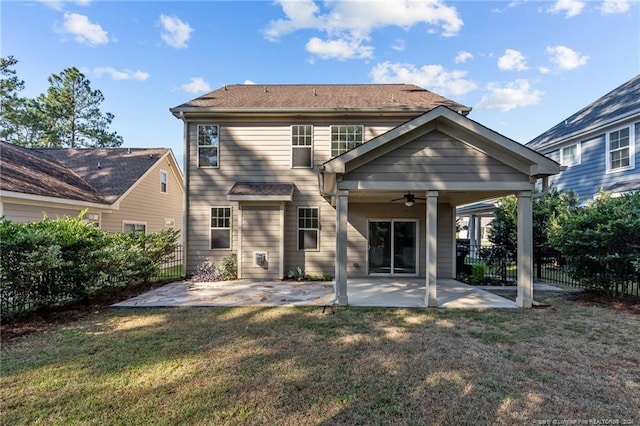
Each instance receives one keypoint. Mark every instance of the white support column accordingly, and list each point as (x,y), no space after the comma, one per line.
(524,298)
(239,259)
(471,232)
(281,245)
(431,298)
(342,213)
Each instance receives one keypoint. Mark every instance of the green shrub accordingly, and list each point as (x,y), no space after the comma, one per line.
(229,267)
(478,273)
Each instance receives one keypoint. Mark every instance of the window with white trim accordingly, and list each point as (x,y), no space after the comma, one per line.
(308,228)
(570,155)
(208,145)
(131,227)
(620,149)
(164,181)
(301,146)
(220,228)
(345,137)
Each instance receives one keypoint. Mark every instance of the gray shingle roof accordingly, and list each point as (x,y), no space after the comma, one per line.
(617,103)
(321,97)
(99,175)
(110,171)
(261,190)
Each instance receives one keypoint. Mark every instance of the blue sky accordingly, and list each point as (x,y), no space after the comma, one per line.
(523,66)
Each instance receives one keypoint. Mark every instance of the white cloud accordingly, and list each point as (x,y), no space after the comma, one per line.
(121,75)
(176,33)
(398,45)
(463,57)
(569,7)
(614,6)
(85,31)
(432,77)
(339,49)
(197,85)
(566,58)
(249,82)
(544,70)
(513,95)
(347,24)
(512,60)
(59,4)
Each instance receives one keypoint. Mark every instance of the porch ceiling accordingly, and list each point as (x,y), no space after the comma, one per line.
(455,198)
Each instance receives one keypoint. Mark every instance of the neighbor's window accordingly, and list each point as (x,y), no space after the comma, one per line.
(302,146)
(163,181)
(570,155)
(131,227)
(221,228)
(308,228)
(344,138)
(208,144)
(620,150)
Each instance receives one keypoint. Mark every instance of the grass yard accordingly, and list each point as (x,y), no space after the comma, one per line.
(297,366)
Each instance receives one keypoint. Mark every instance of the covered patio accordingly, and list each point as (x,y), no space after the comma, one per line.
(439,160)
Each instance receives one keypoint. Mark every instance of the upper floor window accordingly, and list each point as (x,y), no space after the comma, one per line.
(344,138)
(570,155)
(221,228)
(163,181)
(208,144)
(302,146)
(620,149)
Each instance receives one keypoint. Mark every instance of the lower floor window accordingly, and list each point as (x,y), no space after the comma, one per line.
(130,227)
(308,227)
(221,228)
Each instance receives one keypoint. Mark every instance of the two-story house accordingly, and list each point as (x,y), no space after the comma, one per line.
(349,180)
(599,146)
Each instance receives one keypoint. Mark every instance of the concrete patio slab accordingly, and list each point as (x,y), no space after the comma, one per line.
(372,291)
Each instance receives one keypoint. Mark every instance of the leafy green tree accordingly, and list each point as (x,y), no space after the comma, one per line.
(19,117)
(72,115)
(601,242)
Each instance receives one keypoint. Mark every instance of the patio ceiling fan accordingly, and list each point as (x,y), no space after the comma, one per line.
(409,199)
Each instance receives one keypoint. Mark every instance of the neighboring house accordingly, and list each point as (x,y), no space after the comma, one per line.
(349,180)
(122,189)
(599,146)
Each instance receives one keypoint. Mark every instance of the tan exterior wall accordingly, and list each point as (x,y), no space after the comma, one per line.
(146,204)
(436,157)
(32,213)
(250,151)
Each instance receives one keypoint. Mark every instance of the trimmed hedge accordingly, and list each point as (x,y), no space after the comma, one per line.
(51,262)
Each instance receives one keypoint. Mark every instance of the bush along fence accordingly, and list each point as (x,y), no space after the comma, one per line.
(496,265)
(55,262)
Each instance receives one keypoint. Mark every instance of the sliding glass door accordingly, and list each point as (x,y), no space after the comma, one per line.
(393,247)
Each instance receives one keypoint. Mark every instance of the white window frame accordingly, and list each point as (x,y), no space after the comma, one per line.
(230,227)
(631,147)
(134,223)
(309,147)
(347,148)
(164,180)
(216,145)
(298,228)
(578,147)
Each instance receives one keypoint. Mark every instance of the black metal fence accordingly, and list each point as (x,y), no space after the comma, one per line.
(497,265)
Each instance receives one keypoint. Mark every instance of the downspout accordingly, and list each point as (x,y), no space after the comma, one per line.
(185,198)
(324,193)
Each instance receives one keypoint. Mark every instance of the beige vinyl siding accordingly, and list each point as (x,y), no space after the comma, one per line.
(261,233)
(146,204)
(251,151)
(446,238)
(436,157)
(30,213)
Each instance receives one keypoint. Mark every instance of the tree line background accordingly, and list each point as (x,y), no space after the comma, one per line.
(68,115)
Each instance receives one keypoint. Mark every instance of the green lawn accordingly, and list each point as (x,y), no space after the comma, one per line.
(294,366)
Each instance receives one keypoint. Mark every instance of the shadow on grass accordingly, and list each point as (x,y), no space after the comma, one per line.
(298,366)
